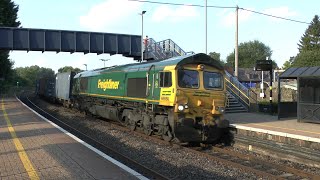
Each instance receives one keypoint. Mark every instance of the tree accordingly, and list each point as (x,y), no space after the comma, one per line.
(309,46)
(311,38)
(307,58)
(29,75)
(216,56)
(8,18)
(5,64)
(288,63)
(249,53)
(69,68)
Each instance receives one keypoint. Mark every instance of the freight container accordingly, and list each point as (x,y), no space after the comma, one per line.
(64,87)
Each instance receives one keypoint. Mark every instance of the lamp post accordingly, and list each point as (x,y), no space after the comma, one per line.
(236,59)
(206,26)
(86,66)
(104,61)
(142,13)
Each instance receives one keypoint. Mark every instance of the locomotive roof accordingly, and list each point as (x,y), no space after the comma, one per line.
(199,58)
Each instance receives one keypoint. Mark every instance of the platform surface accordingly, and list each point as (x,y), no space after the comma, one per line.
(32,148)
(271,123)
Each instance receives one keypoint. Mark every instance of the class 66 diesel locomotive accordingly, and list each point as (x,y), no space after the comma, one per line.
(181,98)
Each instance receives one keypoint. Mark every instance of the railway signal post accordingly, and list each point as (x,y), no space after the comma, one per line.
(266,65)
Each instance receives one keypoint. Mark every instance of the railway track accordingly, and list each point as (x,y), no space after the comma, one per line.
(225,156)
(276,170)
(287,152)
(249,163)
(145,171)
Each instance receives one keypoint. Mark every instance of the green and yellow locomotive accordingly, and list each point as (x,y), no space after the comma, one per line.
(182,97)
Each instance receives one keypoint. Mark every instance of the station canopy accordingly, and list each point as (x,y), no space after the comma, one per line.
(307,107)
(295,72)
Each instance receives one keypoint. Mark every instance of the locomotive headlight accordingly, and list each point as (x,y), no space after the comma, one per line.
(200,67)
(180,107)
(186,106)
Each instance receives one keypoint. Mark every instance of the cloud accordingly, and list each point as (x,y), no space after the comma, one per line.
(280,11)
(109,14)
(182,13)
(41,61)
(80,61)
(229,18)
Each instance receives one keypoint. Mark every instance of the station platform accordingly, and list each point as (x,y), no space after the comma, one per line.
(32,147)
(283,130)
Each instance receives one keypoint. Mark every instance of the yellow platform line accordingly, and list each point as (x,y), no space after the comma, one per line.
(22,153)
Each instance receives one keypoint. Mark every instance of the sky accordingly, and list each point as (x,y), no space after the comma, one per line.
(185,25)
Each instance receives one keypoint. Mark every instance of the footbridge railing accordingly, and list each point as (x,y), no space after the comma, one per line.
(163,49)
(247,97)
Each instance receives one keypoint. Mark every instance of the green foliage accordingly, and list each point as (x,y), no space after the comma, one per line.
(288,64)
(267,102)
(310,40)
(5,64)
(249,53)
(68,69)
(8,18)
(28,75)
(264,106)
(6,84)
(309,46)
(9,14)
(307,58)
(216,56)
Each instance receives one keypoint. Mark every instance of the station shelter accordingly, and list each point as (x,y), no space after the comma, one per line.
(307,107)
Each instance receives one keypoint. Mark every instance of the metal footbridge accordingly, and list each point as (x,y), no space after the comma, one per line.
(27,39)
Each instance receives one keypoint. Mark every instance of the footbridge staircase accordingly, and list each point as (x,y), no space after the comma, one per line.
(239,97)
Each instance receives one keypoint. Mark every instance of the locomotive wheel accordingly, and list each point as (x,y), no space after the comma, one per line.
(147,131)
(130,124)
(167,136)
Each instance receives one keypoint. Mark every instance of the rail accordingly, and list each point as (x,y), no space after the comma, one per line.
(144,170)
(262,167)
(248,163)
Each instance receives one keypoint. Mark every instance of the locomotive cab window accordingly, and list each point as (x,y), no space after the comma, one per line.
(165,79)
(212,80)
(188,78)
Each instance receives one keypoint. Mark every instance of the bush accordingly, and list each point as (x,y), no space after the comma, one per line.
(264,106)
